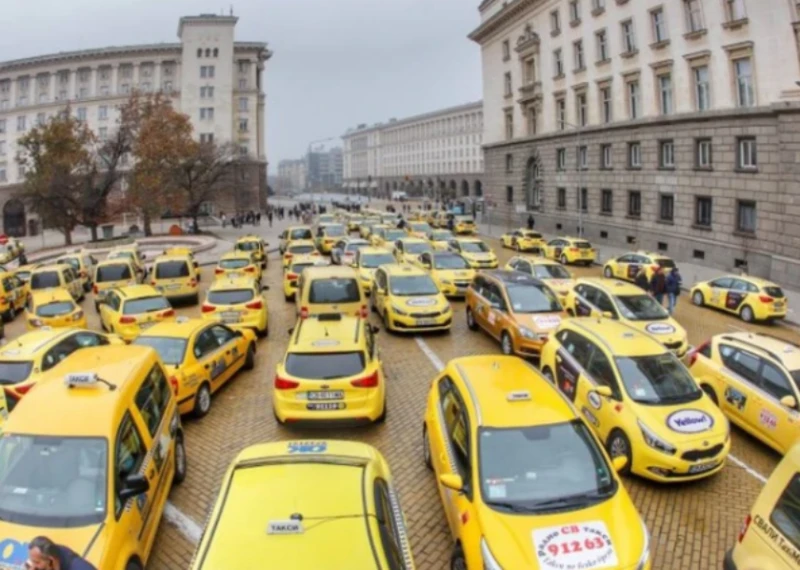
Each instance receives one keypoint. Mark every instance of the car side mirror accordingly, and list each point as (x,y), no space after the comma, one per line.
(135,484)
(375,329)
(452,481)
(196,265)
(608,315)
(265,287)
(603,391)
(498,306)
(789,402)
(619,463)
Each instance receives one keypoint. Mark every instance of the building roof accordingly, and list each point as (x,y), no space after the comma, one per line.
(476,105)
(510,13)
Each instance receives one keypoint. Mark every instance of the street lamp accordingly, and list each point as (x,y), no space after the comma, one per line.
(308,161)
(580,173)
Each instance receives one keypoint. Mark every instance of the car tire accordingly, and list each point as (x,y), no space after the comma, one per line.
(618,445)
(563,259)
(607,273)
(697,299)
(471,323)
(202,400)
(710,393)
(195,299)
(180,460)
(97,308)
(426,448)
(263,333)
(385,319)
(10,314)
(457,559)
(382,418)
(506,344)
(134,564)
(288,298)
(250,359)
(747,314)
(548,374)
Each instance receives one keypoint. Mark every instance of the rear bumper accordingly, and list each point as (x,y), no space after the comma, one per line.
(727,562)
(407,324)
(364,411)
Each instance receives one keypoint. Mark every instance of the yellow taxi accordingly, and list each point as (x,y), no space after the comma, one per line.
(386,236)
(239,303)
(439,239)
(516,309)
(441,220)
(450,271)
(432,217)
(367,260)
(11,250)
(417,216)
(199,357)
(627,266)
(751,298)
(112,273)
(408,249)
(184,251)
(625,302)
(326,219)
(344,251)
(418,229)
(570,250)
(292,233)
(255,245)
(328,234)
(474,250)
(754,379)
(83,263)
(551,272)
(408,300)
(132,254)
(367,227)
(523,239)
(235,264)
(768,539)
(176,277)
(100,443)
(24,272)
(331,373)
(298,247)
(53,308)
(522,478)
(639,399)
(24,359)
(127,311)
(330,289)
(363,528)
(13,295)
(55,276)
(291,274)
(464,224)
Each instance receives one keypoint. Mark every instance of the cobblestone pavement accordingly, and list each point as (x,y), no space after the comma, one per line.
(691,524)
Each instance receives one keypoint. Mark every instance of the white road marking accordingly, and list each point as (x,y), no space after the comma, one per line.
(186,526)
(737,328)
(439,365)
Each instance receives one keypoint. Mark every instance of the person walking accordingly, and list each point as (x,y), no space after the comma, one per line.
(641,280)
(658,285)
(531,221)
(269,217)
(673,287)
(44,554)
(224,219)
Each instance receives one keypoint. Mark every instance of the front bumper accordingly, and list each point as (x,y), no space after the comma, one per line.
(181,292)
(651,464)
(484,264)
(527,346)
(407,323)
(453,289)
(289,408)
(727,562)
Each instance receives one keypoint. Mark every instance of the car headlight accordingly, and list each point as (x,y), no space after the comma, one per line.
(528,333)
(446,282)
(446,309)
(645,557)
(398,310)
(489,562)
(654,441)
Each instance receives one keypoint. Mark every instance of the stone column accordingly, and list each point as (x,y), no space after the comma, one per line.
(72,90)
(156,76)
(93,82)
(114,79)
(135,78)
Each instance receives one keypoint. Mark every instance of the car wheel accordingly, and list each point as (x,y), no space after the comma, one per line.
(372,302)
(262,333)
(386,321)
(697,299)
(471,324)
(620,446)
(202,400)
(506,344)
(747,314)
(607,272)
(288,298)
(547,373)
(563,259)
(382,418)
(250,359)
(96,308)
(710,393)
(180,460)
(133,565)
(457,560)
(426,448)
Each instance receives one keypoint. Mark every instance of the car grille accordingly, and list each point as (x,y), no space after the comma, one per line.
(462,283)
(698,454)
(673,345)
(425,315)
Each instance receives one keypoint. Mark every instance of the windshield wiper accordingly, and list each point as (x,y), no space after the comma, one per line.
(570,500)
(512,507)
(680,397)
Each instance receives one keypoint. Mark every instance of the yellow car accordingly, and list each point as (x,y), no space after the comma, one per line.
(464,224)
(751,298)
(53,308)
(523,239)
(331,373)
(523,481)
(551,272)
(386,236)
(367,260)
(450,271)
(753,378)
(239,303)
(180,250)
(127,311)
(83,263)
(330,289)
(344,250)
(235,264)
(13,295)
(474,250)
(408,249)
(24,359)
(408,300)
(515,309)
(768,537)
(199,356)
(292,481)
(326,219)
(639,399)
(354,223)
(291,274)
(132,254)
(100,441)
(418,229)
(367,228)
(254,245)
(627,266)
(292,233)
(439,239)
(298,247)
(177,277)
(601,297)
(328,234)
(570,250)
(55,276)
(112,273)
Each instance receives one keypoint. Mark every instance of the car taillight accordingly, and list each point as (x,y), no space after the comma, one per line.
(654,267)
(24,389)
(83,273)
(284,384)
(207,308)
(94,289)
(315,253)
(173,381)
(363,313)
(696,351)
(219,271)
(255,305)
(77,316)
(3,300)
(250,269)
(573,250)
(765,299)
(153,282)
(168,313)
(193,282)
(304,312)
(349,254)
(288,256)
(291,276)
(745,526)
(370,381)
(127,320)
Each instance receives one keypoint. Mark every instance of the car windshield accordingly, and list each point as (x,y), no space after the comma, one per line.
(532,298)
(450,262)
(324,365)
(374,260)
(334,231)
(115,272)
(123,254)
(14,371)
(54,482)
(786,514)
(393,235)
(420,227)
(297,268)
(74,262)
(234,263)
(172,269)
(475,247)
(171,350)
(355,246)
(302,233)
(541,468)
(657,379)
(410,285)
(464,219)
(550,272)
(145,305)
(45,280)
(301,249)
(230,296)
(641,308)
(247,245)
(55,309)
(334,290)
(441,236)
(417,247)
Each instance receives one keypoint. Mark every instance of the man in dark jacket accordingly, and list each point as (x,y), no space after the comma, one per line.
(658,285)
(641,280)
(673,288)
(44,554)
(531,221)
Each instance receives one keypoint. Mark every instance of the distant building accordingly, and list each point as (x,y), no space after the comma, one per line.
(291,176)
(325,168)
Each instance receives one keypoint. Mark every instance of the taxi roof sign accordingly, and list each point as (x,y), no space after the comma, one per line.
(519,396)
(291,526)
(80,379)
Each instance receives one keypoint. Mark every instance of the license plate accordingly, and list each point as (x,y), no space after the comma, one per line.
(585,253)
(230,316)
(326,406)
(174,286)
(146,325)
(326,395)
(702,468)
(234,274)
(778,305)
(425,322)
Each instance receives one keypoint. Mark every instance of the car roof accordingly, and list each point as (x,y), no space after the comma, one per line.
(754,280)
(620,338)
(302,242)
(50,267)
(172,257)
(249,238)
(653,254)
(137,292)
(535,260)
(42,296)
(412,240)
(309,258)
(300,227)
(223,282)
(328,333)
(612,286)
(323,271)
(492,380)
(511,277)
(374,249)
(786,352)
(69,408)
(114,261)
(572,238)
(402,269)
(236,254)
(179,328)
(28,344)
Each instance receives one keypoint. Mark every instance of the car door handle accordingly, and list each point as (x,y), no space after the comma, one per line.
(227,352)
(558,358)
(207,366)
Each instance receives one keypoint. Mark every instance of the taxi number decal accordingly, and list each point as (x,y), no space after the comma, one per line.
(776,537)
(575,547)
(492,318)
(735,398)
(767,419)
(308,447)
(217,368)
(13,553)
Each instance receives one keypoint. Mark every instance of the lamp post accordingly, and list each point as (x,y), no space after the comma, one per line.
(578,130)
(308,163)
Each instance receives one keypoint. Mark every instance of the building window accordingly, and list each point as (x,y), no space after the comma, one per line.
(509,194)
(168,87)
(509,124)
(562,198)
(2,126)
(125,88)
(634,155)
(20,124)
(628,36)
(634,203)
(577,48)
(242,125)
(555,23)
(746,153)
(506,50)
(104,91)
(507,89)
(243,104)
(583,199)
(702,153)
(634,99)
(666,154)
(207,113)
(532,112)
(207,92)
(582,109)
(561,159)
(694,15)
(667,208)
(659,26)
(605,156)
(574,11)
(558,63)
(582,158)
(735,10)
(602,45)
(102,132)
(561,114)
(242,84)
(80,113)
(665,93)
(40,119)
(509,163)
(702,211)
(746,216)
(702,94)
(598,5)
(606,201)
(606,105)
(207,71)
(743,71)
(206,137)
(2,148)
(3,177)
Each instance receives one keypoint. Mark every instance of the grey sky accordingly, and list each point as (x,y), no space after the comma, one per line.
(336,63)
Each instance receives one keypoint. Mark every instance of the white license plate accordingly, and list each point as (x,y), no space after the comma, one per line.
(231,316)
(585,253)
(702,468)
(173,287)
(425,322)
(326,395)
(326,406)
(234,274)
(778,305)
(147,325)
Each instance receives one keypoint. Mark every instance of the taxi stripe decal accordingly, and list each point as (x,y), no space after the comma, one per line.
(400,523)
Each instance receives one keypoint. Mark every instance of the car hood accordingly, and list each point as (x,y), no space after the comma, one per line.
(87,541)
(697,421)
(539,322)
(663,330)
(561,286)
(485,256)
(366,272)
(451,274)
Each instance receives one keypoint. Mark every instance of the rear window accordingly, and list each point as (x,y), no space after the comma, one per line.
(233,263)
(666,263)
(334,290)
(14,372)
(172,269)
(786,514)
(230,296)
(776,292)
(55,309)
(301,234)
(301,249)
(171,350)
(45,280)
(297,268)
(247,246)
(118,272)
(73,261)
(145,305)
(325,366)
(583,245)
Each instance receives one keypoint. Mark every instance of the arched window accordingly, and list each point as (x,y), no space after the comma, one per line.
(216,52)
(533,184)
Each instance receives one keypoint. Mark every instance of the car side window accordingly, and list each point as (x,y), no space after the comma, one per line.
(625,259)
(222,334)
(577,346)
(602,372)
(742,363)
(589,293)
(205,343)
(129,454)
(525,267)
(389,533)
(457,427)
(152,398)
(66,275)
(774,381)
(603,302)
(496,296)
(85,339)
(722,283)
(59,352)
(739,285)
(751,288)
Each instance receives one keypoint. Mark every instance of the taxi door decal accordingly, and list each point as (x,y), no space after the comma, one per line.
(557,252)
(734,299)
(218,367)
(582,307)
(633,270)
(735,399)
(567,372)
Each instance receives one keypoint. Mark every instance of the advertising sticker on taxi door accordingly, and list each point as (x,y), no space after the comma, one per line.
(582,546)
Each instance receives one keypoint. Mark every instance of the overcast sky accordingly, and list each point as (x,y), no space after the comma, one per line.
(336,63)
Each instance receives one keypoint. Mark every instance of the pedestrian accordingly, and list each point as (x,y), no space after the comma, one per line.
(531,221)
(658,285)
(224,219)
(269,217)
(641,279)
(44,554)
(673,287)
(401,223)
(22,259)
